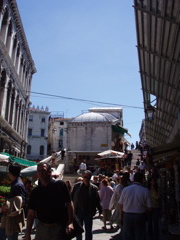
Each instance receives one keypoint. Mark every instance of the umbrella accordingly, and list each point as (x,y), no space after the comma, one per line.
(4,158)
(111,153)
(29,171)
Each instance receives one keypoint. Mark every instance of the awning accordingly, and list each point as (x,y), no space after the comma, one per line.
(4,158)
(119,129)
(21,161)
(166,150)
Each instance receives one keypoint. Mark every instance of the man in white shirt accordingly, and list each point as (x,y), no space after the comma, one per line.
(83,167)
(135,200)
(115,176)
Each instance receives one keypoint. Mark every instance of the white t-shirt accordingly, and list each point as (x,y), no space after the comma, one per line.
(114,176)
(135,198)
(131,177)
(142,166)
(82,166)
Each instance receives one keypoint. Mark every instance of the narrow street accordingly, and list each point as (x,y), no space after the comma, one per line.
(98,232)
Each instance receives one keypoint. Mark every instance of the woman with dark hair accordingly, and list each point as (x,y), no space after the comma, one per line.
(153,216)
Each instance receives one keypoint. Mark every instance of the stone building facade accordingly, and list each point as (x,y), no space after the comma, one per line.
(16,70)
(57,140)
(38,133)
(91,133)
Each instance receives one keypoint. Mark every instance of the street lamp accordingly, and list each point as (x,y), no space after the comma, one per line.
(149,111)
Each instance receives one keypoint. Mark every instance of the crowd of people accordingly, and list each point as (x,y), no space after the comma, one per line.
(128,200)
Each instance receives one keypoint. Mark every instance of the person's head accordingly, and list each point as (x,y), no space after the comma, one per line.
(105,182)
(95,178)
(44,171)
(87,177)
(126,175)
(14,171)
(79,179)
(123,181)
(138,177)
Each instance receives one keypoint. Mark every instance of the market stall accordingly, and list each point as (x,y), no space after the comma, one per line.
(110,161)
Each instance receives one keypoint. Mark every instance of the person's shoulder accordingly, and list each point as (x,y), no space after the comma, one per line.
(119,186)
(77,185)
(93,186)
(59,182)
(110,188)
(128,188)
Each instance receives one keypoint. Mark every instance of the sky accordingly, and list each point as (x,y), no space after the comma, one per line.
(84,49)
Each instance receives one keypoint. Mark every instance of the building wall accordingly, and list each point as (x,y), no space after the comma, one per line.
(16,70)
(37,134)
(57,133)
(89,136)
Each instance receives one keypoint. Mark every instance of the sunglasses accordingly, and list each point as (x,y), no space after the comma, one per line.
(86,177)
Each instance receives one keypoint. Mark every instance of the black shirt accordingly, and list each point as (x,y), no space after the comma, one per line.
(84,197)
(50,202)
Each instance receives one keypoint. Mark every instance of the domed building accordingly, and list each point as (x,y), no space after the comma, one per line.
(91,133)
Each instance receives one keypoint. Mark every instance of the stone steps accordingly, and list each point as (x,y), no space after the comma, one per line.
(71,177)
(136,154)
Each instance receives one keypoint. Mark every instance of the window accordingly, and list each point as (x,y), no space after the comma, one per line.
(42,132)
(29,131)
(61,123)
(31,118)
(41,152)
(61,132)
(29,149)
(43,119)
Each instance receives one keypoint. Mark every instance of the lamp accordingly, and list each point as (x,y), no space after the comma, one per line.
(149,111)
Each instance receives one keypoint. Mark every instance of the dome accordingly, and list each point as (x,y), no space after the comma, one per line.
(94,117)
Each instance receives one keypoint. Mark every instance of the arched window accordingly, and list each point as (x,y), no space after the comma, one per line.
(2,88)
(41,150)
(9,35)
(29,149)
(4,25)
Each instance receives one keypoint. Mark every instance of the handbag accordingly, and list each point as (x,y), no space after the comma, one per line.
(78,229)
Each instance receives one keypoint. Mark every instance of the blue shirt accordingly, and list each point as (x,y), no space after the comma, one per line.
(18,189)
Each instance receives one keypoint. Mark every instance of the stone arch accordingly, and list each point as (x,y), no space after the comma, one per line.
(16,112)
(4,25)
(21,67)
(9,36)
(19,115)
(17,57)
(14,48)
(11,109)
(9,89)
(2,88)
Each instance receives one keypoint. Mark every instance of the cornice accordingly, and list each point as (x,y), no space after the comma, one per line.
(20,31)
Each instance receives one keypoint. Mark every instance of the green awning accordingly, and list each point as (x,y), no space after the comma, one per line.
(119,129)
(21,161)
